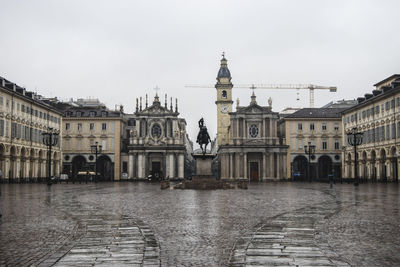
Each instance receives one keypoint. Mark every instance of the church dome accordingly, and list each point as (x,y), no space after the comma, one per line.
(223,70)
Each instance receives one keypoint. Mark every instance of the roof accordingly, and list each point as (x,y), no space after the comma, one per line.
(387,79)
(375,96)
(318,113)
(27,95)
(223,70)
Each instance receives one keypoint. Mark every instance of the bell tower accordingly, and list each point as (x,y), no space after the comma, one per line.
(224,101)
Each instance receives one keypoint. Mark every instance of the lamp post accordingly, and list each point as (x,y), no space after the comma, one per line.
(309,150)
(96,148)
(354,138)
(50,139)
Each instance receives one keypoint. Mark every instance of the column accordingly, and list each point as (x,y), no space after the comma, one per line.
(17,168)
(284,159)
(245,165)
(7,167)
(171,166)
(166,159)
(271,165)
(130,166)
(278,166)
(263,132)
(33,168)
(264,167)
(230,165)
(378,169)
(181,163)
(140,170)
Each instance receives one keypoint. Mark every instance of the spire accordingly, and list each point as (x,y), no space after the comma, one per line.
(253,99)
(171,105)
(176,104)
(140,103)
(223,70)
(156,100)
(165,101)
(237,102)
(137,104)
(146,101)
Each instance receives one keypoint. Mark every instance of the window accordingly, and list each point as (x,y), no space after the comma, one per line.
(78,114)
(1,127)
(7,103)
(337,146)
(1,100)
(299,126)
(397,101)
(91,126)
(67,126)
(79,126)
(393,131)
(392,105)
(311,126)
(324,127)
(387,132)
(104,126)
(18,106)
(40,114)
(253,130)
(377,110)
(92,113)
(36,113)
(336,127)
(324,145)
(387,105)
(104,113)
(224,94)
(156,131)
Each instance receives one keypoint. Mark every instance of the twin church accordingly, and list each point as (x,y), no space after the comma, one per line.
(248,145)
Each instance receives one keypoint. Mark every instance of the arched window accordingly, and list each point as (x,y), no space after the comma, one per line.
(224,94)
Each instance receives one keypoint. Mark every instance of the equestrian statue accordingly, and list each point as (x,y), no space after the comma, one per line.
(203,138)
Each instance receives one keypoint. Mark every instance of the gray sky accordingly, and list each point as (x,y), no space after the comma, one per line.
(120,50)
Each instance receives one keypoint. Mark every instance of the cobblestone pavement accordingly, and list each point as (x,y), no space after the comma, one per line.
(139,224)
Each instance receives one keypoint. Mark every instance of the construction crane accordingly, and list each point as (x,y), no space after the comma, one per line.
(310,87)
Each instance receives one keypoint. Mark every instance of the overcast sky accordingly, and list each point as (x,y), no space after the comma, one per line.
(119,50)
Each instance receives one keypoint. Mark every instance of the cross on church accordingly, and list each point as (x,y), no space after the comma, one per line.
(156,89)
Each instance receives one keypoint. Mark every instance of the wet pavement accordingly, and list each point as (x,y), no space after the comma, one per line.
(137,224)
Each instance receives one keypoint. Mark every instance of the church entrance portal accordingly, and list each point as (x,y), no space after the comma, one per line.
(156,169)
(254,174)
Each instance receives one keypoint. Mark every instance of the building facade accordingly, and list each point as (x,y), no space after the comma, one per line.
(254,150)
(158,143)
(87,121)
(322,128)
(377,115)
(23,119)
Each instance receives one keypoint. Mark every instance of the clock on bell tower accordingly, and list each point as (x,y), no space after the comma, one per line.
(224,101)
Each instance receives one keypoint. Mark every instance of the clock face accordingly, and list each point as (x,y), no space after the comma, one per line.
(224,109)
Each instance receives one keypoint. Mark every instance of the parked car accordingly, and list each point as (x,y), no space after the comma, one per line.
(63,177)
(124,176)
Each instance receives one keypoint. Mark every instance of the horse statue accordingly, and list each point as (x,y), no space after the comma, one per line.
(203,138)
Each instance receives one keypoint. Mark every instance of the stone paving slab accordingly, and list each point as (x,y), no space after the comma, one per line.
(288,242)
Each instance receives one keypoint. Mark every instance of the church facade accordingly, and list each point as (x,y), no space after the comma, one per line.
(249,146)
(158,143)
(254,151)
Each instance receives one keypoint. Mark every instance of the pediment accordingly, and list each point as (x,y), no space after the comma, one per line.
(253,109)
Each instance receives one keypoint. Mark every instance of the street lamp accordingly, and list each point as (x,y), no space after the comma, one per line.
(50,139)
(309,150)
(354,138)
(96,148)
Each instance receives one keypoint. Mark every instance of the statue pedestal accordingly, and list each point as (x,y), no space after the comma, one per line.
(204,165)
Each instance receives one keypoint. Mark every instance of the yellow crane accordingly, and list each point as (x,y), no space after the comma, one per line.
(310,87)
